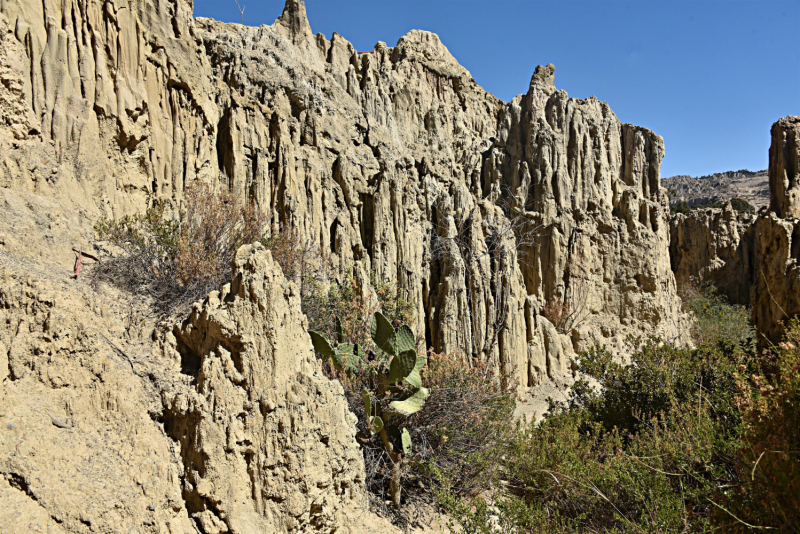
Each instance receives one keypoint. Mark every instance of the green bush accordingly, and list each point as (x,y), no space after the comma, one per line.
(642,451)
(675,440)
(742,206)
(715,320)
(681,207)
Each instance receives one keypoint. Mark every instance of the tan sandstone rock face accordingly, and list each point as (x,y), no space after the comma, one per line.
(395,161)
(484,211)
(776,273)
(225,424)
(777,234)
(784,168)
(714,245)
(79,449)
(268,442)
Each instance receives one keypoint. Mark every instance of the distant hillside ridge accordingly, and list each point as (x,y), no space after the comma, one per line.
(752,186)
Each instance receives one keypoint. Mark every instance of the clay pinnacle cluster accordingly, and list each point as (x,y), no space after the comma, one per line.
(522,231)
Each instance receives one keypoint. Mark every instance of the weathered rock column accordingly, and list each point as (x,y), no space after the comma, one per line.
(268,442)
(784,168)
(776,273)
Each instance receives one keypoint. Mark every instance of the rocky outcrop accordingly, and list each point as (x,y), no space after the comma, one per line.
(498,219)
(776,296)
(268,443)
(776,274)
(714,245)
(79,449)
(483,211)
(784,168)
(751,186)
(588,189)
(754,260)
(225,424)
(15,92)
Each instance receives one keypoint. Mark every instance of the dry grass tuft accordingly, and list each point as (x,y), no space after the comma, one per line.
(174,257)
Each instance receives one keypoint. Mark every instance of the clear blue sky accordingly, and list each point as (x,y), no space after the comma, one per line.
(710,76)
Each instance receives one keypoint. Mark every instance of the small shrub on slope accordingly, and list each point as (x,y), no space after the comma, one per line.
(176,258)
(715,320)
(467,414)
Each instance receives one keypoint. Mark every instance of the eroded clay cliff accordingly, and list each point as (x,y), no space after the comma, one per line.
(776,295)
(714,245)
(483,211)
(268,442)
(784,168)
(224,424)
(396,161)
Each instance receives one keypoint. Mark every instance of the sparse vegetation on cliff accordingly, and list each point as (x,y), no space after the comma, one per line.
(570,310)
(466,409)
(738,204)
(389,373)
(176,256)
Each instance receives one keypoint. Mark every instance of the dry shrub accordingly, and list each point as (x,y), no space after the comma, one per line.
(572,309)
(767,495)
(557,312)
(303,261)
(468,411)
(176,258)
(344,300)
(212,227)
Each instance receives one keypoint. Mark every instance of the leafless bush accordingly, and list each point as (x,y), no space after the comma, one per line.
(572,308)
(325,297)
(468,410)
(306,263)
(489,249)
(177,259)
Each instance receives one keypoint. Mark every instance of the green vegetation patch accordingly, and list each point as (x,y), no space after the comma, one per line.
(672,441)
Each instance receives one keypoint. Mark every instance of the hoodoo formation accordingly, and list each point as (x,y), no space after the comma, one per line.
(395,162)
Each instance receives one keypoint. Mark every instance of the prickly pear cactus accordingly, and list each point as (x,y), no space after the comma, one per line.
(344,356)
(396,385)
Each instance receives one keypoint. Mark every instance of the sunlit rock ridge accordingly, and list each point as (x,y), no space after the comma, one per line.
(377,157)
